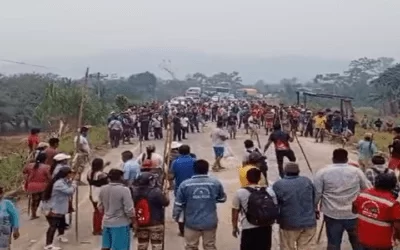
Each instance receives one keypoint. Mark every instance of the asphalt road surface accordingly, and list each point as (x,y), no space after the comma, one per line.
(319,155)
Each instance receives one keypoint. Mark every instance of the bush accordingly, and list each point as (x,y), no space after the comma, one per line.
(11,166)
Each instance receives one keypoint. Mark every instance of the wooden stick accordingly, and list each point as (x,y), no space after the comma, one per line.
(167,159)
(78,135)
(304,154)
(320,232)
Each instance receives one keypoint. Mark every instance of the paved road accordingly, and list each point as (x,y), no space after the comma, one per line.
(319,155)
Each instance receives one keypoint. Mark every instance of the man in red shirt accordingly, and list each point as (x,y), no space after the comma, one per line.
(378,223)
(33,139)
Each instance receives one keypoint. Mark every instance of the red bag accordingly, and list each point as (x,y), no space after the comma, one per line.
(97,222)
(146,163)
(142,209)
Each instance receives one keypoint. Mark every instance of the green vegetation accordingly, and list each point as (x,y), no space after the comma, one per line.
(11,166)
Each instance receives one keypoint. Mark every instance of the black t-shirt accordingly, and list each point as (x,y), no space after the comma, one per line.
(177,122)
(232,120)
(280,140)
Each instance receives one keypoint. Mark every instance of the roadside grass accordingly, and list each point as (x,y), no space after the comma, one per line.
(381,139)
(12,164)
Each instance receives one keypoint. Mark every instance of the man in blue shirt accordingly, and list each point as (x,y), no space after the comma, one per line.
(181,170)
(197,197)
(131,168)
(298,215)
(182,167)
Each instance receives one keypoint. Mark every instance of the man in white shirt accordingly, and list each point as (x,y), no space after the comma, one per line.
(82,148)
(185,125)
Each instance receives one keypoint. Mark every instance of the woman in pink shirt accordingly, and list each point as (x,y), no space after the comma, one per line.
(37,176)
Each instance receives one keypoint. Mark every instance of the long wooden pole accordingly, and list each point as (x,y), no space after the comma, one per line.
(167,159)
(79,125)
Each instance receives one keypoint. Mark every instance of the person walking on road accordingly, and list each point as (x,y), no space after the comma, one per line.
(115,201)
(182,169)
(96,178)
(336,187)
(219,137)
(56,199)
(281,140)
(149,202)
(131,168)
(253,237)
(197,198)
(298,216)
(37,176)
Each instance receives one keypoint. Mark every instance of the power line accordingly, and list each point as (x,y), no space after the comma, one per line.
(26,64)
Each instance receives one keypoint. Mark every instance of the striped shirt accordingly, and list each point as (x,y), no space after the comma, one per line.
(337,186)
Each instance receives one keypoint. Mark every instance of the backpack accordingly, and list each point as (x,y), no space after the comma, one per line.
(261,209)
(146,163)
(142,210)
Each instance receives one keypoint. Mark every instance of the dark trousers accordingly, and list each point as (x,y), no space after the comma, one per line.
(280,154)
(178,134)
(158,133)
(185,130)
(258,238)
(144,130)
(115,137)
(335,229)
(56,223)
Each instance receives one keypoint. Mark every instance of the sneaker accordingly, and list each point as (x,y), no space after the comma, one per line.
(62,239)
(51,247)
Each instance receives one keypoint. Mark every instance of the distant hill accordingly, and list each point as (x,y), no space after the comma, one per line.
(183,62)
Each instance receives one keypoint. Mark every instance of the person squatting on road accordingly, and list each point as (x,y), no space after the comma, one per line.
(197,197)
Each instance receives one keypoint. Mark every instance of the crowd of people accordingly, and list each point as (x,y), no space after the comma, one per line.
(360,199)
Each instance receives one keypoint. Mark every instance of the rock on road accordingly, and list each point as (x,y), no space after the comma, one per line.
(319,155)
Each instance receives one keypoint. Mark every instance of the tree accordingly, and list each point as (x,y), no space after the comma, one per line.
(387,87)
(121,102)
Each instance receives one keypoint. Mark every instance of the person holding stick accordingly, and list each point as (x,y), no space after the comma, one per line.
(336,187)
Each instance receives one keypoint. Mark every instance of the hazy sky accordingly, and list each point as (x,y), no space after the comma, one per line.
(326,28)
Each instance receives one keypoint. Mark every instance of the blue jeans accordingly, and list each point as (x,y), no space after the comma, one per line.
(335,229)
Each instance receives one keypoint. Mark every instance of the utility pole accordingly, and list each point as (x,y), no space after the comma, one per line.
(99,77)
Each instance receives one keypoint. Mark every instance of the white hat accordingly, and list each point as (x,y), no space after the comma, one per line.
(175,144)
(61,157)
